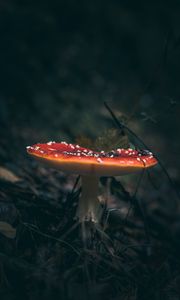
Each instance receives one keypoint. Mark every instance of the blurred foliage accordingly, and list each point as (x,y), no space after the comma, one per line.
(109,139)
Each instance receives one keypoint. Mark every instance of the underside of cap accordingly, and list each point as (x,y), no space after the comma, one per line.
(75,159)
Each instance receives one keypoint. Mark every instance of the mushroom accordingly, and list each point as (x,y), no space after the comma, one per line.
(91,165)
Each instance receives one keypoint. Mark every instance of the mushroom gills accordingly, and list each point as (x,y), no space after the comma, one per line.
(89,207)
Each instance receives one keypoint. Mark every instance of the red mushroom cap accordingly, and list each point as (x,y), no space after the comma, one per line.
(75,159)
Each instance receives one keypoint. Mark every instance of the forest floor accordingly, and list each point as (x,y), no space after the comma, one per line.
(133,254)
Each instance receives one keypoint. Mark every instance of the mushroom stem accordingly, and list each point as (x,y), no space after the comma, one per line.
(89,208)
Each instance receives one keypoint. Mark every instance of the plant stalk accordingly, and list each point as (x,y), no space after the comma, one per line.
(89,208)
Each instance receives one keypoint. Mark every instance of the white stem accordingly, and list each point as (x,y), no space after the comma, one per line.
(89,208)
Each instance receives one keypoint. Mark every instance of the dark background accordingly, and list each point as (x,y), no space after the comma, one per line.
(59,62)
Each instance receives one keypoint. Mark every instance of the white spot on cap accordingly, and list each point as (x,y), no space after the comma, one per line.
(71,146)
(50,142)
(36,148)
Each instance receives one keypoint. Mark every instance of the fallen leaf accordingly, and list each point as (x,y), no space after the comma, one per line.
(7,230)
(7,175)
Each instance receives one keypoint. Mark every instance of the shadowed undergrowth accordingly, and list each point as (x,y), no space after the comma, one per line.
(136,247)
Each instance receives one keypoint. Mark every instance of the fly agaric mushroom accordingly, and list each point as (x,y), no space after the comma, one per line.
(91,165)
